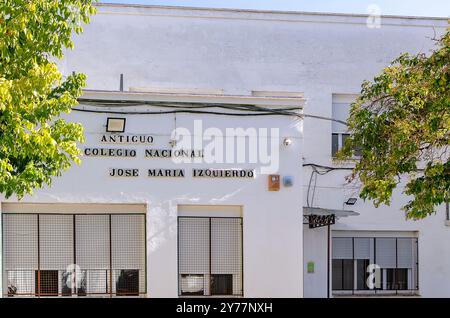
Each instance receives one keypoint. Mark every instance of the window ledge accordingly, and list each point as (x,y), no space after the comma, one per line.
(385,294)
(349,163)
(210,296)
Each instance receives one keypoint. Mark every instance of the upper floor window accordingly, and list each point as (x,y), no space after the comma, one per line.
(339,132)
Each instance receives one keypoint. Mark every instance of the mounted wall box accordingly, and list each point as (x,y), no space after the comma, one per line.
(274,182)
(288,181)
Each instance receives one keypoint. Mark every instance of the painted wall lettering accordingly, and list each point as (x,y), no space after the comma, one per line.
(127,139)
(167,173)
(169,153)
(222,173)
(109,152)
(121,172)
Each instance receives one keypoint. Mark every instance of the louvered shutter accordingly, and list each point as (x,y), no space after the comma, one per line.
(342,248)
(364,248)
(226,250)
(405,252)
(385,252)
(128,248)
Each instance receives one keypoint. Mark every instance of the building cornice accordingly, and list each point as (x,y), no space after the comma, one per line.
(264,100)
(268,15)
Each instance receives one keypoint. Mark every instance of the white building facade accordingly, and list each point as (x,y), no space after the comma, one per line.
(149,214)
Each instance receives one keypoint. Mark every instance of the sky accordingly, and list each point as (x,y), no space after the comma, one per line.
(429,8)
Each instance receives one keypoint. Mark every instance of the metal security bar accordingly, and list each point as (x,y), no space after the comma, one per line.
(74,255)
(396,257)
(210,256)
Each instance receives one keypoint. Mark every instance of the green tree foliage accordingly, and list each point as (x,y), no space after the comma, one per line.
(401,125)
(35,143)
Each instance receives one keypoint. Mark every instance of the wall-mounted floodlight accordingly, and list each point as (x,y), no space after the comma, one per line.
(351,201)
(115,125)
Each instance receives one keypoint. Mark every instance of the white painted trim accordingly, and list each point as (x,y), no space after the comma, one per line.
(343,233)
(210,210)
(168,90)
(344,98)
(194,98)
(282,94)
(56,207)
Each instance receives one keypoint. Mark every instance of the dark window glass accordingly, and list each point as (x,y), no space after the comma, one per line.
(47,282)
(390,279)
(397,279)
(337,274)
(344,138)
(342,272)
(127,283)
(348,274)
(192,284)
(401,278)
(334,144)
(361,274)
(221,284)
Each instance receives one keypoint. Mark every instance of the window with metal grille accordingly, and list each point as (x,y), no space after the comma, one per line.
(74,254)
(341,112)
(210,256)
(397,258)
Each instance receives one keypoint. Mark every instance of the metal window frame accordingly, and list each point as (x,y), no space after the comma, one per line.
(242,254)
(382,291)
(37,293)
(340,136)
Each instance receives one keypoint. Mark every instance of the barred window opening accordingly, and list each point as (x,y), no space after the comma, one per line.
(74,254)
(210,256)
(395,257)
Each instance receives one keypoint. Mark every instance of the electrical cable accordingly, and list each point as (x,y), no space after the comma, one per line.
(193,108)
(326,167)
(314,173)
(183,105)
(187,111)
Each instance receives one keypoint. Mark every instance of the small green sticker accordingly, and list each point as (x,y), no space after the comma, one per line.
(310,267)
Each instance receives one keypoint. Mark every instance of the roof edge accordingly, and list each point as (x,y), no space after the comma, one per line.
(312,13)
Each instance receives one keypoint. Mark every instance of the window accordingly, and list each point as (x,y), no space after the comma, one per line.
(68,277)
(396,258)
(47,282)
(210,256)
(127,283)
(340,111)
(74,254)
(192,285)
(397,279)
(221,284)
(343,274)
(362,274)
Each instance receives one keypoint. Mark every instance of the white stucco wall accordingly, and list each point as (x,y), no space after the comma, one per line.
(241,51)
(271,219)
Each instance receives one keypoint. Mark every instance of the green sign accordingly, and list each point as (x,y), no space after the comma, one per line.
(310,267)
